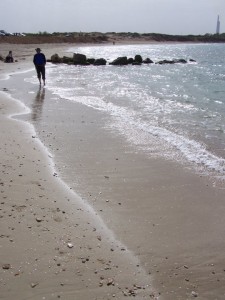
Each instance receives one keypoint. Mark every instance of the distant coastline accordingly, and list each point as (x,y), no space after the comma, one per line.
(110,37)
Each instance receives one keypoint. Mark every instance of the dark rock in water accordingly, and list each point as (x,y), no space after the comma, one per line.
(100,62)
(174,61)
(138,59)
(56,59)
(120,61)
(67,60)
(165,61)
(79,59)
(130,60)
(180,61)
(136,63)
(148,61)
(91,60)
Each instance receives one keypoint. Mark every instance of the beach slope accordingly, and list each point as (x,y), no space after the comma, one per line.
(52,243)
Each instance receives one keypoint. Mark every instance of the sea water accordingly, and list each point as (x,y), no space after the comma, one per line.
(176,112)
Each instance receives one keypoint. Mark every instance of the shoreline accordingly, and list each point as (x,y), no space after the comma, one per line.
(41,236)
(169,254)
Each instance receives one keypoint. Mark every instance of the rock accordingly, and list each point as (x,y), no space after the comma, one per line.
(91,61)
(138,59)
(180,61)
(39,220)
(33,285)
(138,287)
(1,58)
(194,294)
(130,60)
(132,292)
(56,59)
(136,63)
(69,245)
(110,281)
(67,60)
(79,59)
(165,61)
(148,61)
(192,60)
(120,61)
(6,266)
(174,61)
(100,62)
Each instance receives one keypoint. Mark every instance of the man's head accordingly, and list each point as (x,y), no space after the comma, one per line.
(38,50)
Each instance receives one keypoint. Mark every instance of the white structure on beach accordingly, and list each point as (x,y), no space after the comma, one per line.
(218,25)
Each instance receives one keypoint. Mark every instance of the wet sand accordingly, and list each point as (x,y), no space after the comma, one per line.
(169,221)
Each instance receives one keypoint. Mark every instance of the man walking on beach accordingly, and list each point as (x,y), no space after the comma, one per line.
(39,62)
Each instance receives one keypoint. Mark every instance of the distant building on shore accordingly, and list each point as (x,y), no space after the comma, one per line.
(218,25)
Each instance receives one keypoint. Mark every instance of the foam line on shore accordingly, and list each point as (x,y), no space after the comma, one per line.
(52,169)
(6,76)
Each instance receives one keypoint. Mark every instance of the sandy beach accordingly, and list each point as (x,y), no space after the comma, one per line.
(156,230)
(53,244)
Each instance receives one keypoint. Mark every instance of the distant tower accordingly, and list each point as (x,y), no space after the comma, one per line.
(218,25)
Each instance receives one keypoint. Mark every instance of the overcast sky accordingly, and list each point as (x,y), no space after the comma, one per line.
(143,16)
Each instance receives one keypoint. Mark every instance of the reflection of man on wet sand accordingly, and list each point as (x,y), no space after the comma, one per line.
(38,104)
(40,97)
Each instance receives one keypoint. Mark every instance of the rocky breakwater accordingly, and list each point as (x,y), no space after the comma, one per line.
(77,59)
(81,59)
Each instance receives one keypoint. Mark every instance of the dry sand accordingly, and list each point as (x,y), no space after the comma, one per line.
(54,245)
(23,55)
